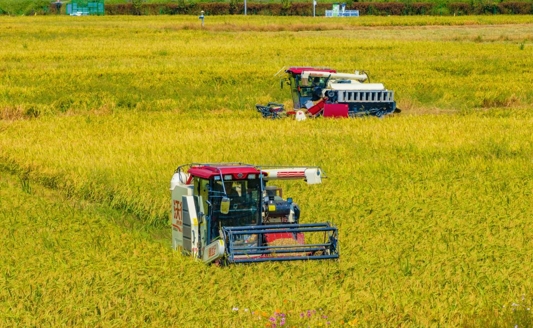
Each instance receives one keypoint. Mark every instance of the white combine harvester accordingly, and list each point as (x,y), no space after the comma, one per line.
(226,213)
(324,92)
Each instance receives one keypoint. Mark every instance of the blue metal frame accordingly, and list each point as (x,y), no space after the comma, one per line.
(257,252)
(271,110)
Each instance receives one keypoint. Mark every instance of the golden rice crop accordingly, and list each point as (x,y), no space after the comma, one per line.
(286,242)
(433,210)
(101,65)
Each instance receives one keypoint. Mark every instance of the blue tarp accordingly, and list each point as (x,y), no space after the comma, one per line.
(85,8)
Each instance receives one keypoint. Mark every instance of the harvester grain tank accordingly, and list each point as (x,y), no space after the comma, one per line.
(227,213)
(325,92)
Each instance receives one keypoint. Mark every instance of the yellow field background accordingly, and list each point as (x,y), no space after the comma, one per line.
(432,205)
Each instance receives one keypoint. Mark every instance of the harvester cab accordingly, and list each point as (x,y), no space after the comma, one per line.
(226,213)
(325,92)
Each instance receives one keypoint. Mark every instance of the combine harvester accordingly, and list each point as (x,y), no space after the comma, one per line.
(226,213)
(324,92)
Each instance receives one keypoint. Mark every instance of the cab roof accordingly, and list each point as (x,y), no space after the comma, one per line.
(300,69)
(208,171)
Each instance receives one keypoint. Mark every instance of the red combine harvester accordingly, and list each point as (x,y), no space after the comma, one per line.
(226,213)
(324,92)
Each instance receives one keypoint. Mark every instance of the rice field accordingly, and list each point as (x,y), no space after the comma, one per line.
(432,205)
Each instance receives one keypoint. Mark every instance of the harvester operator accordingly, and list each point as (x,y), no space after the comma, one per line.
(230,190)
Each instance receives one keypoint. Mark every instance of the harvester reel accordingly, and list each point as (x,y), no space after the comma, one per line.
(271,110)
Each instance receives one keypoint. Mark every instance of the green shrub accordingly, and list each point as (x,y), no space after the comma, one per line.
(23,7)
